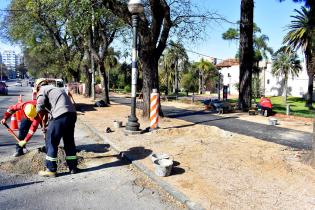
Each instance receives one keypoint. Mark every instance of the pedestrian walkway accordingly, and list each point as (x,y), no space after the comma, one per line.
(215,167)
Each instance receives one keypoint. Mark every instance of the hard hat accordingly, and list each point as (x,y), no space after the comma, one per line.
(30,111)
(41,81)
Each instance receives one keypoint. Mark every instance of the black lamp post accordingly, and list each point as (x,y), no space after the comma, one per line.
(135,7)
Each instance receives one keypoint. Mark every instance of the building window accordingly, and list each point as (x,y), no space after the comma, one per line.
(268,81)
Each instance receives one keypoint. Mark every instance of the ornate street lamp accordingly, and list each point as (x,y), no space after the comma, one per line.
(135,7)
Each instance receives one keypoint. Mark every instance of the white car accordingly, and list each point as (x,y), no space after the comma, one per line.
(18,84)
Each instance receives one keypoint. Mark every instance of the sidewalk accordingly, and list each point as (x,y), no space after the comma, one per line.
(215,168)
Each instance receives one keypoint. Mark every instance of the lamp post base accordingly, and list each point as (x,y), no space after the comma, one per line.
(132,126)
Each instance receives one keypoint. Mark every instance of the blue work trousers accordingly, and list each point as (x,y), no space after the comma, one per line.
(61,127)
(24,128)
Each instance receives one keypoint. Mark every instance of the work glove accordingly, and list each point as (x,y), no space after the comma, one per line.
(2,121)
(22,143)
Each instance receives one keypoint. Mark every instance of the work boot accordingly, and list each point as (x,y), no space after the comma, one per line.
(47,173)
(17,154)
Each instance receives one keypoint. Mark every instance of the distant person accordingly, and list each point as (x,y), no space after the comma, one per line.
(28,125)
(265,106)
(63,116)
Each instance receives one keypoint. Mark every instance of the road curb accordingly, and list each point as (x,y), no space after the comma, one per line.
(165,186)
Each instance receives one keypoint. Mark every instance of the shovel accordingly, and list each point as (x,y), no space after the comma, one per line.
(13,134)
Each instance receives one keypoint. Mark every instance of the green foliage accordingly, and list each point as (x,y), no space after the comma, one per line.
(175,59)
(127,89)
(297,106)
(98,80)
(261,48)
(189,82)
(256,87)
(286,63)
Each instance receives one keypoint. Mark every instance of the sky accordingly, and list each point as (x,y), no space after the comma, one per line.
(270,15)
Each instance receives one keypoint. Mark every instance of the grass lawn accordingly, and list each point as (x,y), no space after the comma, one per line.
(297,106)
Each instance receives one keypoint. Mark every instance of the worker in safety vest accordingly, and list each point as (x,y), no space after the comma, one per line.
(28,125)
(62,121)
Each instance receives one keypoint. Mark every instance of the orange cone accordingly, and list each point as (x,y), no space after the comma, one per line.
(18,116)
(14,124)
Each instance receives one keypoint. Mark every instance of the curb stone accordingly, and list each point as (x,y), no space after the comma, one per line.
(165,186)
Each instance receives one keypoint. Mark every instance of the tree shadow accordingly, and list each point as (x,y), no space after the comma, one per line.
(200,122)
(96,148)
(82,107)
(4,145)
(123,158)
(7,187)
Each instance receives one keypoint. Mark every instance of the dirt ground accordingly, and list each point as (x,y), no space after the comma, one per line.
(215,168)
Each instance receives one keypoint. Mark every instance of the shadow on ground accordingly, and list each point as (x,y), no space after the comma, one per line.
(95,148)
(7,187)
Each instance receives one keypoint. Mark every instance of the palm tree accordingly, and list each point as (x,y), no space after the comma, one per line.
(174,60)
(301,35)
(286,63)
(204,67)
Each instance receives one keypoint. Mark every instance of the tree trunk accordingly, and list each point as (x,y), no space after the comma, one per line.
(200,82)
(101,67)
(167,84)
(88,82)
(286,91)
(150,78)
(310,65)
(246,54)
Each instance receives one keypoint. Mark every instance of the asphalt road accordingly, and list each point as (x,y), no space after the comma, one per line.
(110,185)
(278,135)
(7,142)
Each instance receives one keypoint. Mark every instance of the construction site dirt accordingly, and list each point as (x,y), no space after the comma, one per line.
(217,168)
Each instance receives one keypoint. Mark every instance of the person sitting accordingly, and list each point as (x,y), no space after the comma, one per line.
(265,106)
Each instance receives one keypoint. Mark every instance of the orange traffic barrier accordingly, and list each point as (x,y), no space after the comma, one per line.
(154,109)
(14,123)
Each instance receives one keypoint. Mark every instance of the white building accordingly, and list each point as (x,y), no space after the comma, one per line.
(270,84)
(10,60)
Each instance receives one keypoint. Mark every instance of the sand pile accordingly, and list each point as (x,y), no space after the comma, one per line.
(34,161)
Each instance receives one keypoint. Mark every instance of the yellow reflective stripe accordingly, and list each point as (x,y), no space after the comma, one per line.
(30,132)
(51,158)
(71,157)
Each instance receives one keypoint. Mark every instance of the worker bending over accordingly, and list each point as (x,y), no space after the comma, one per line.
(28,125)
(62,121)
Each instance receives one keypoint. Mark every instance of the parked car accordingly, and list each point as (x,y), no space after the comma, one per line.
(18,84)
(31,83)
(3,88)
